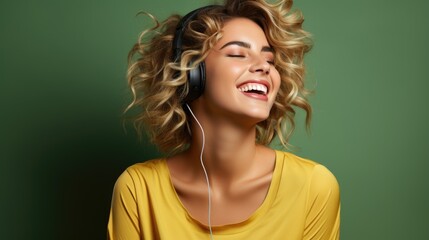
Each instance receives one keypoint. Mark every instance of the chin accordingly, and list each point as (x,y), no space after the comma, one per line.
(258,115)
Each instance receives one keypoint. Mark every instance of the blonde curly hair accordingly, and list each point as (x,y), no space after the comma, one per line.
(159,85)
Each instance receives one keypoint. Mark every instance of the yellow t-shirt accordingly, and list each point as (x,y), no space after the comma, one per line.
(302,202)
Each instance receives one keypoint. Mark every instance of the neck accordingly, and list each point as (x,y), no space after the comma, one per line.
(229,151)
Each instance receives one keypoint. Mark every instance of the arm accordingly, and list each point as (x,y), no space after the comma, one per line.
(323,206)
(123,221)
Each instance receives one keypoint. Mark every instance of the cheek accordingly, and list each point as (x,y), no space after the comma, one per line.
(227,67)
(223,74)
(235,69)
(276,81)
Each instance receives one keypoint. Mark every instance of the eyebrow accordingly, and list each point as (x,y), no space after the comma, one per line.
(247,45)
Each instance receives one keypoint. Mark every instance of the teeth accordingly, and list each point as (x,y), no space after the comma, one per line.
(253,86)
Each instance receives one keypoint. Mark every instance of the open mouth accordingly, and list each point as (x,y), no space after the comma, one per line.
(256,88)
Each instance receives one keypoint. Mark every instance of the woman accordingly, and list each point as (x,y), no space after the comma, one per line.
(213,101)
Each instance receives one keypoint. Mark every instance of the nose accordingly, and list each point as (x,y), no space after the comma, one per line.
(260,65)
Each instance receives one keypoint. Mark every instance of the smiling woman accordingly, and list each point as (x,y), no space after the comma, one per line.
(214,88)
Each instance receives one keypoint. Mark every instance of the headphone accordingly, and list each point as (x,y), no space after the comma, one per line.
(197,76)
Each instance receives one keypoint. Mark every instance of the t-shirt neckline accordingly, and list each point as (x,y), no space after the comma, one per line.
(234,227)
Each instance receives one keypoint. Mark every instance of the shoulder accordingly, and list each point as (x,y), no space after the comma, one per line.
(150,167)
(320,195)
(296,161)
(313,173)
(141,174)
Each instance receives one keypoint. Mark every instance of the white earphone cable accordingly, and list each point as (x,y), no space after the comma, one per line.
(205,172)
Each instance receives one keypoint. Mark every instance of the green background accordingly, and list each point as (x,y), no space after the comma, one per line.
(62,91)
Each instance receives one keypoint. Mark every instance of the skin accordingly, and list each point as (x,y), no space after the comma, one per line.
(238,168)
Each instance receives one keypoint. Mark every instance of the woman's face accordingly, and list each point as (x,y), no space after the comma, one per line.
(242,82)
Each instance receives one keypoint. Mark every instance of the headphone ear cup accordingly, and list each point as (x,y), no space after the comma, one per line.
(197,82)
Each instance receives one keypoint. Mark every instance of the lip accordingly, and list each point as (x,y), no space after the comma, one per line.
(255,95)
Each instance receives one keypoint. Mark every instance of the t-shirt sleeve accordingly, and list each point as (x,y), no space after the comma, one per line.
(323,206)
(123,220)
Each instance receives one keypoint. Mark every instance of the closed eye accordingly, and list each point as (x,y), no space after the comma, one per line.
(236,55)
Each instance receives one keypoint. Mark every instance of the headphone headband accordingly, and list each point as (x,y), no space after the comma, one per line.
(180,31)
